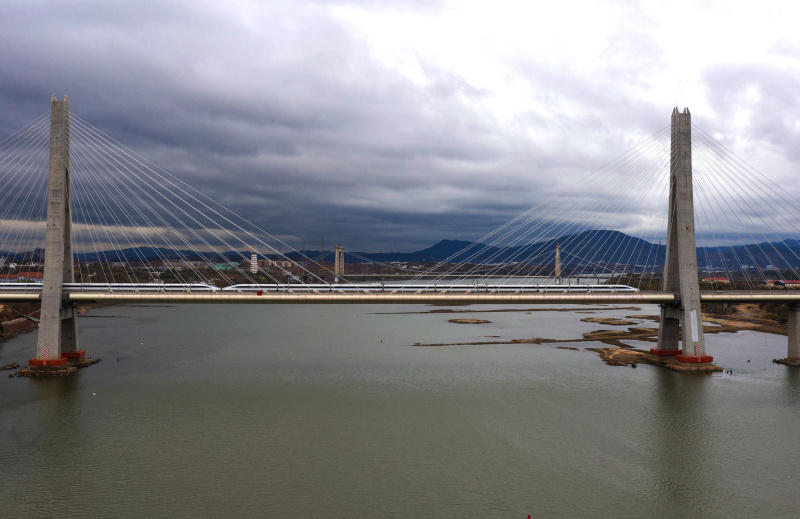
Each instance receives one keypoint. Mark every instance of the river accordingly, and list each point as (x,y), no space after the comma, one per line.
(331,411)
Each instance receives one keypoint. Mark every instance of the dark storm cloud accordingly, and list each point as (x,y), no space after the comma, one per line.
(286,113)
(281,113)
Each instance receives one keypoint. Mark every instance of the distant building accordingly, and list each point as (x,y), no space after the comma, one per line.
(716,280)
(175,264)
(22,276)
(792,283)
(37,255)
(226,266)
(274,263)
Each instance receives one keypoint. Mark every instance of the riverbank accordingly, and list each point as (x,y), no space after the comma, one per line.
(19,325)
(12,329)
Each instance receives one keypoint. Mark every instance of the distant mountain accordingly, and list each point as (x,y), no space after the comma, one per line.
(455,249)
(584,248)
(152,253)
(600,247)
(597,247)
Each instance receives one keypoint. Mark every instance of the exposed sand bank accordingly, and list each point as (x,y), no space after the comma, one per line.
(620,352)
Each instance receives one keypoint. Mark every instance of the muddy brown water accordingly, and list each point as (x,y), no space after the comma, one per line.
(330,411)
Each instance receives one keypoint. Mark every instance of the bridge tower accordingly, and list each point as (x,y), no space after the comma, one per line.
(58,337)
(558,264)
(680,269)
(338,255)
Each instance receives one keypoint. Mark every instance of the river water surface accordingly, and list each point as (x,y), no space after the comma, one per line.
(331,411)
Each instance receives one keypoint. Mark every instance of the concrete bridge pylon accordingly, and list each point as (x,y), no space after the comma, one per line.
(57,345)
(558,264)
(681,320)
(338,265)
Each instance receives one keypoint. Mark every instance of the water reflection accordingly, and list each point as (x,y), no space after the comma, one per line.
(49,449)
(792,385)
(682,440)
(204,417)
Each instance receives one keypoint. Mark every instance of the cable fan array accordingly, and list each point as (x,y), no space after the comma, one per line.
(124,206)
(744,225)
(609,226)
(23,195)
(627,194)
(747,225)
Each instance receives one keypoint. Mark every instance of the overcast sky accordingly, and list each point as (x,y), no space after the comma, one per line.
(389,125)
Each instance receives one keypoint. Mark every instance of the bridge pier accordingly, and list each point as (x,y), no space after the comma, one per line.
(669,332)
(57,350)
(794,333)
(793,353)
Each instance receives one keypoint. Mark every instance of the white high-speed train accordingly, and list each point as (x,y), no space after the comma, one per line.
(425,288)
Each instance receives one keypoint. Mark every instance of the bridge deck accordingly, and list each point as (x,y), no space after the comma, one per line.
(640,297)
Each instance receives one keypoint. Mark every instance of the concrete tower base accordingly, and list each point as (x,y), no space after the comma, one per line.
(672,362)
(694,367)
(47,371)
(65,367)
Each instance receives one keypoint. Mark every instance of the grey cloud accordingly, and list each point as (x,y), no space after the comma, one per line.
(299,103)
(764,96)
(282,112)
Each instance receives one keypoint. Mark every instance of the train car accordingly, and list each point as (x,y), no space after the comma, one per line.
(29,286)
(419,288)
(139,287)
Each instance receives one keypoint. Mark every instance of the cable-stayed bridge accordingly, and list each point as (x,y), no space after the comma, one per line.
(103,224)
